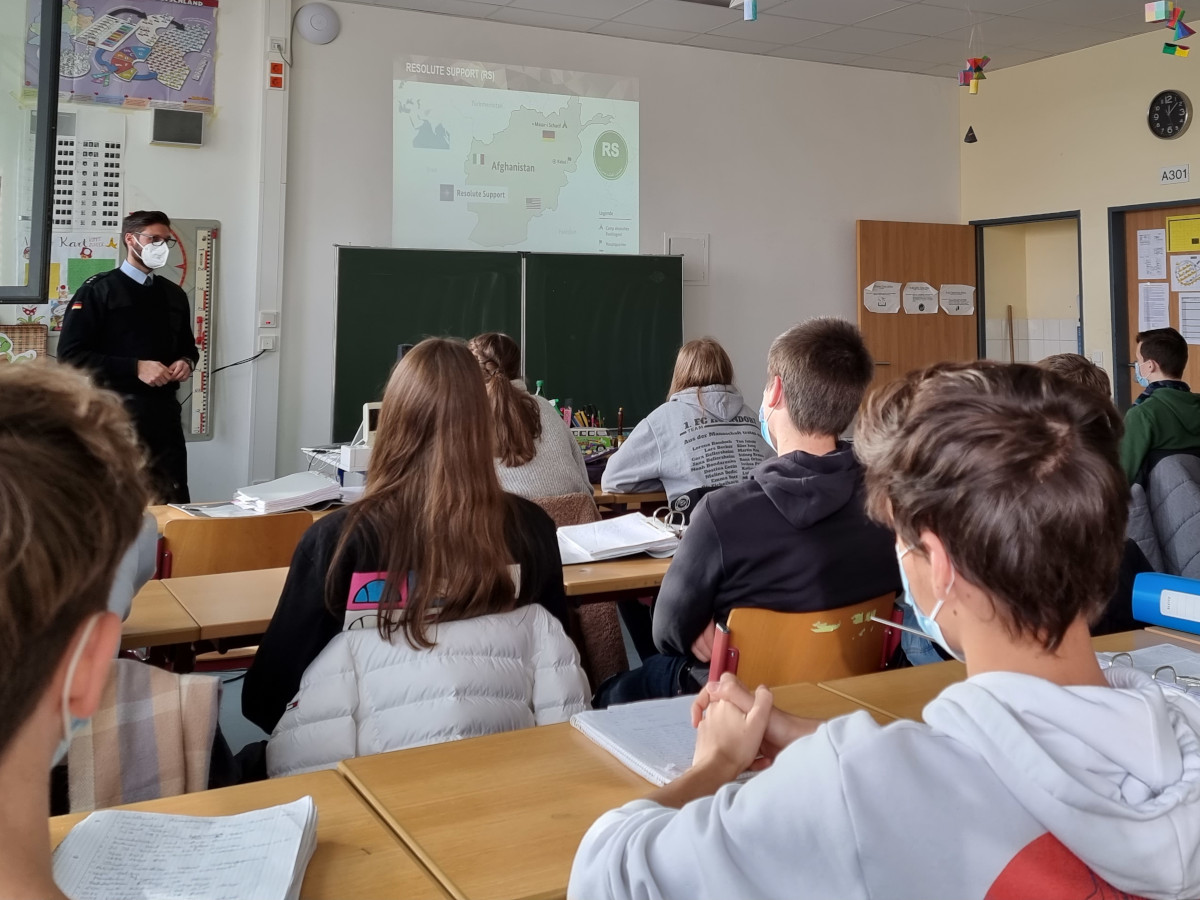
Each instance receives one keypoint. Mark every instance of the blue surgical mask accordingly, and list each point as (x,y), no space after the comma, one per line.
(762,426)
(927,623)
(1140,378)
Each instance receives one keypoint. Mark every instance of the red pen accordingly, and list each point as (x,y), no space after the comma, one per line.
(724,658)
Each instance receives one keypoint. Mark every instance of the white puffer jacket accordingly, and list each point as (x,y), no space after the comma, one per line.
(364,695)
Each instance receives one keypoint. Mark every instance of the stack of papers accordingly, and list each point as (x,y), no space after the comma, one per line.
(290,492)
(612,538)
(262,854)
(654,738)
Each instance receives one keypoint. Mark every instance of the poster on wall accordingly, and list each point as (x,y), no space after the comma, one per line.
(882,296)
(920,299)
(138,54)
(1185,272)
(75,256)
(958,299)
(1189,317)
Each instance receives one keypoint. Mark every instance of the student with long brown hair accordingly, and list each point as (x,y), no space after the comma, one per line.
(423,612)
(536,454)
(703,436)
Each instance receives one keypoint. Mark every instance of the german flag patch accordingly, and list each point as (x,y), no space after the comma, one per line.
(76,305)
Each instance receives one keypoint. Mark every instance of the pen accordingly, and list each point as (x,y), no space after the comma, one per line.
(620,420)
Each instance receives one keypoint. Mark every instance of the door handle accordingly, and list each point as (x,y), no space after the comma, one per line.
(880,363)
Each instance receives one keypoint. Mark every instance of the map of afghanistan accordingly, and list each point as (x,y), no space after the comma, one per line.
(532,158)
(145,53)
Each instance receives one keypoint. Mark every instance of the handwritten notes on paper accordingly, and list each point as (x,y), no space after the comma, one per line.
(1152,253)
(1153,310)
(115,853)
(882,296)
(958,299)
(920,299)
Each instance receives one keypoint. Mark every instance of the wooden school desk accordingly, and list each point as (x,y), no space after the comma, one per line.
(631,573)
(157,619)
(502,816)
(357,856)
(904,692)
(233,604)
(164,514)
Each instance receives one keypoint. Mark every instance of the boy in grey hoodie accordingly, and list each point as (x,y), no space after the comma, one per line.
(1041,776)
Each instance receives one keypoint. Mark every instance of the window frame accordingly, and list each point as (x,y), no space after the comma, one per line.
(37,291)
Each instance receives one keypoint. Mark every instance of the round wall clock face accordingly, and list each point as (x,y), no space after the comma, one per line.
(1169,115)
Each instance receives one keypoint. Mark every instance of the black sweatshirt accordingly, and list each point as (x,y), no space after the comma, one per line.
(794,538)
(112,322)
(303,624)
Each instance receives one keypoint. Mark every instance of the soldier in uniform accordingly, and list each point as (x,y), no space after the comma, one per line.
(132,328)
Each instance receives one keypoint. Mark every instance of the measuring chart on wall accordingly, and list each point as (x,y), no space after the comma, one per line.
(193,264)
(131,53)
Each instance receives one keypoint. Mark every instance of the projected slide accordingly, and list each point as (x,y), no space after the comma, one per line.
(493,157)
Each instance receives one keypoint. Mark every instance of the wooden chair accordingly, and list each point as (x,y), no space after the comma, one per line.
(776,648)
(212,546)
(601,647)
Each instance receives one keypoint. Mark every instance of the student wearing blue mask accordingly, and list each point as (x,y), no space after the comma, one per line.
(1166,417)
(794,537)
(72,494)
(1040,776)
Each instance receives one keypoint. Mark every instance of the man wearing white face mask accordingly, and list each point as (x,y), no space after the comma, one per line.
(71,470)
(132,327)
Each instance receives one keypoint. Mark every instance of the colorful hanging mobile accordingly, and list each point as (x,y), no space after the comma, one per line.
(1172,16)
(973,73)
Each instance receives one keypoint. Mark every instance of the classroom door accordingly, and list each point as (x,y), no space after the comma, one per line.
(916,252)
(1126,350)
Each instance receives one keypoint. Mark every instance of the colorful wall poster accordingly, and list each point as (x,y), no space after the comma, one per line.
(139,54)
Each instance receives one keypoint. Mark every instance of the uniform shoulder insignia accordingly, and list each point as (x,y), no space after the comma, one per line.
(95,277)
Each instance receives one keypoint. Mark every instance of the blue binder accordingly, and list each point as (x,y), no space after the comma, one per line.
(1167,600)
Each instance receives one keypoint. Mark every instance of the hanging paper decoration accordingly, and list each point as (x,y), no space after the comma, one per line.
(973,73)
(970,136)
(1160,11)
(749,9)
(1171,16)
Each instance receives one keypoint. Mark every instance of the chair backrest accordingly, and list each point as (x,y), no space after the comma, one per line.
(1174,500)
(784,648)
(686,503)
(214,546)
(570,509)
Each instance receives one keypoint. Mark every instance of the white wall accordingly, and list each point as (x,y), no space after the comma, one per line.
(774,158)
(1052,139)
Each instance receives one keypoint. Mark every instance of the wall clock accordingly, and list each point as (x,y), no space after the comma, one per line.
(1169,115)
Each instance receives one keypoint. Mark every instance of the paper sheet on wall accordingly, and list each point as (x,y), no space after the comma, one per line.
(1185,272)
(1152,253)
(958,299)
(1153,309)
(882,296)
(920,299)
(1189,317)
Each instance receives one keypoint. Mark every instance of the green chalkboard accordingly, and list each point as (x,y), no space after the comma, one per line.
(603,329)
(388,297)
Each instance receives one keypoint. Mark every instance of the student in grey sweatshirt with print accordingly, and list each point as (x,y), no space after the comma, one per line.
(703,436)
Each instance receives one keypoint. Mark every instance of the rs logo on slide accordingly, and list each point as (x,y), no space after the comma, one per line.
(611,155)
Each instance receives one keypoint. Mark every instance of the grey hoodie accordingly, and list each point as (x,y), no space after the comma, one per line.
(1016,788)
(701,437)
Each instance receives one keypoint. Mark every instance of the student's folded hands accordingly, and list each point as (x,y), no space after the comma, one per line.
(780,730)
(729,739)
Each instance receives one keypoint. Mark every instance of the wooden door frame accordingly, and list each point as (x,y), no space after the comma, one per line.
(980,224)
(1117,246)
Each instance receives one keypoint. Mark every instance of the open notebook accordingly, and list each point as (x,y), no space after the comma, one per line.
(654,738)
(612,538)
(119,854)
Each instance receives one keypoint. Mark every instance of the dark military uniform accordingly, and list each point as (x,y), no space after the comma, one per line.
(111,323)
